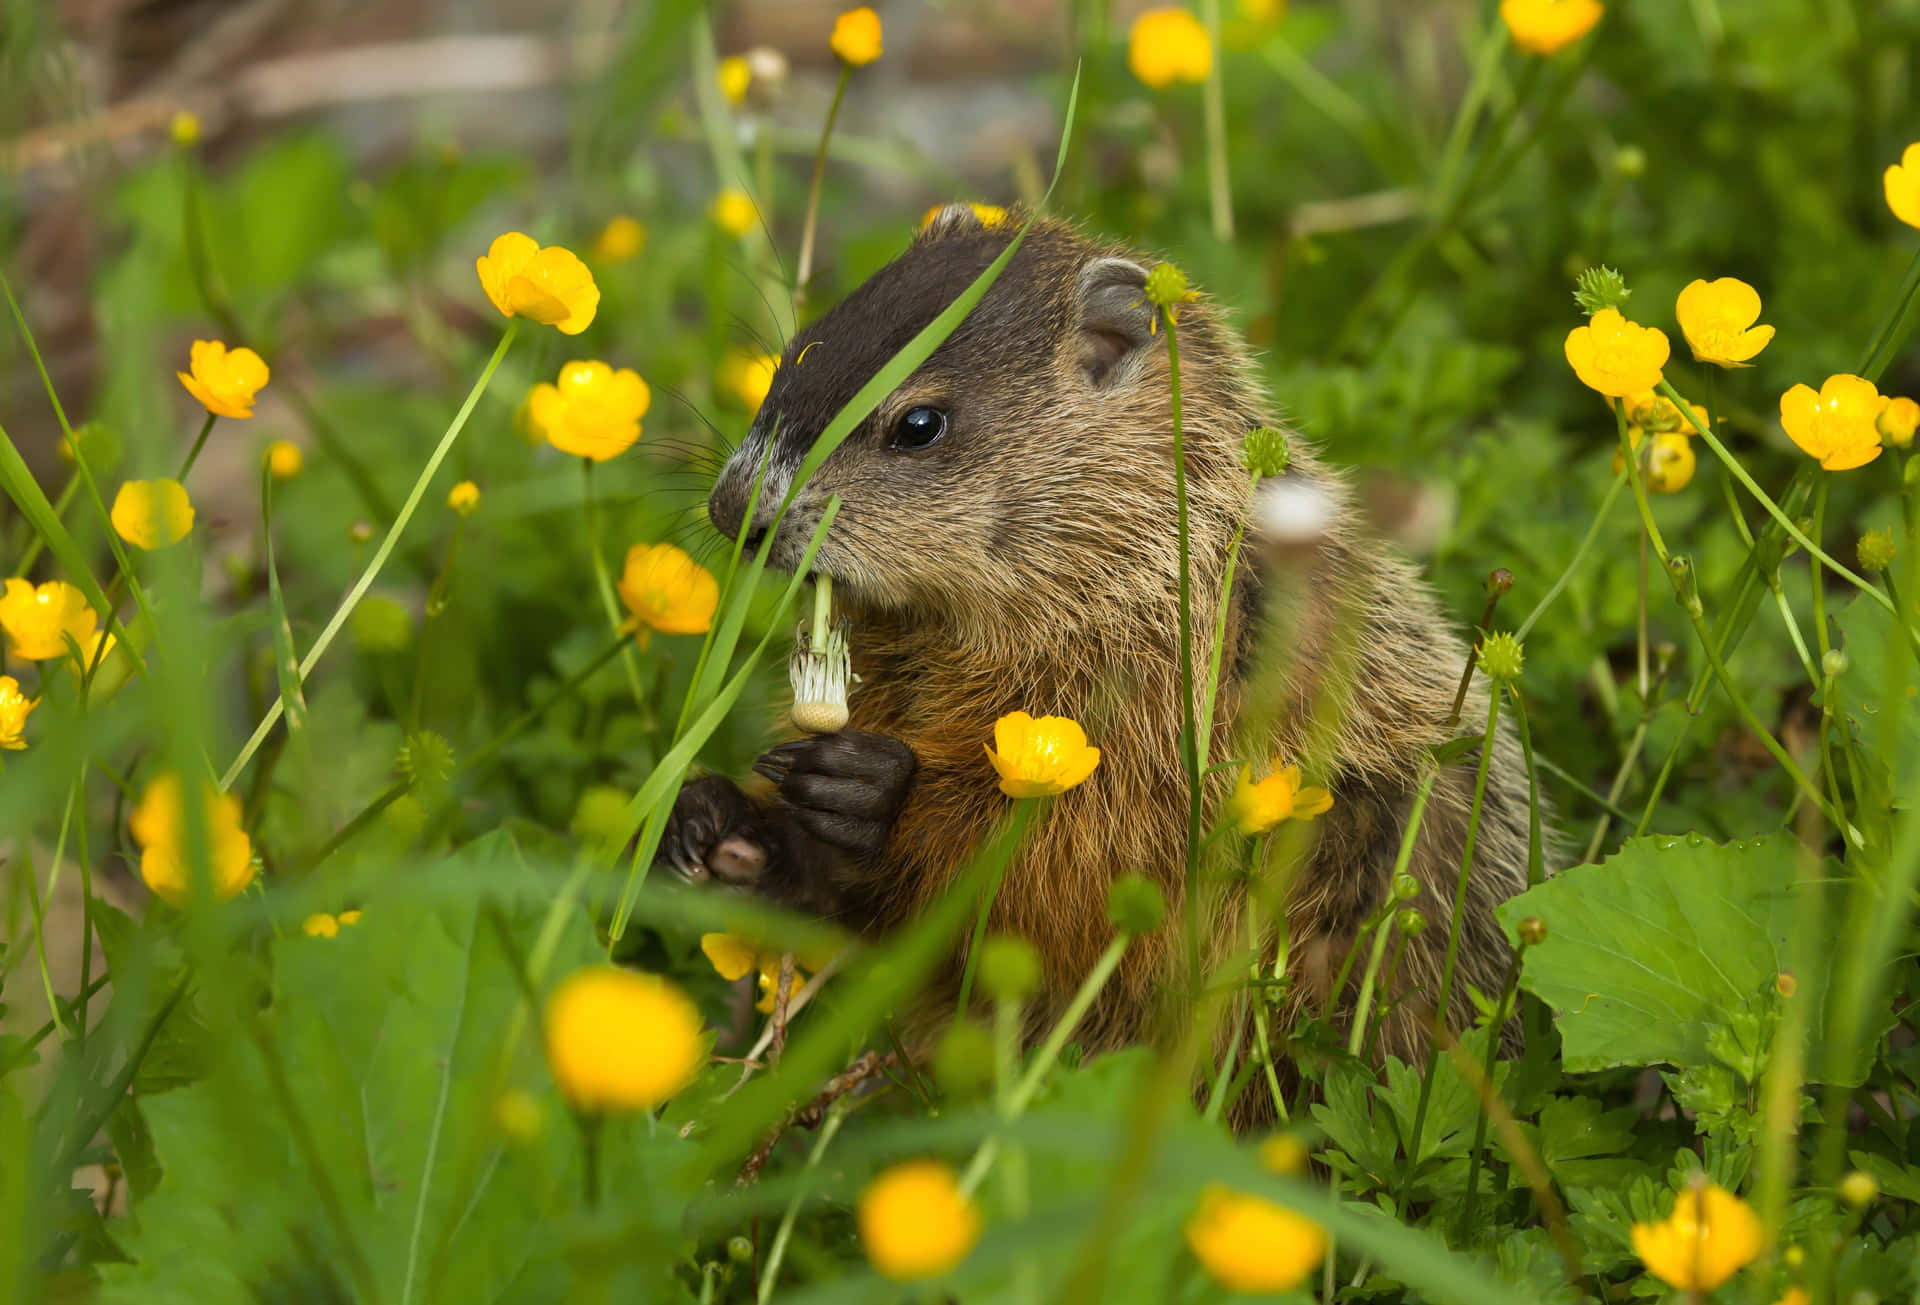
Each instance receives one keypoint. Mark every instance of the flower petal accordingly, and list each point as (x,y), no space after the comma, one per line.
(731,955)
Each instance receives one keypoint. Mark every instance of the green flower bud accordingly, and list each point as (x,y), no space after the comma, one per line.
(1136,905)
(425,760)
(1858,1189)
(1630,161)
(1265,451)
(1411,922)
(381,625)
(1503,656)
(1533,931)
(600,817)
(1875,551)
(1833,663)
(740,1249)
(1009,968)
(1601,287)
(1166,285)
(1680,567)
(963,1062)
(1405,887)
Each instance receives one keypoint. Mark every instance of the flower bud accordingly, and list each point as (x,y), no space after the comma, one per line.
(1785,984)
(1265,451)
(1405,887)
(1794,1256)
(1411,922)
(1533,931)
(1875,551)
(1897,421)
(740,1249)
(1503,656)
(1009,968)
(518,1115)
(425,760)
(360,531)
(1680,567)
(1499,582)
(1166,285)
(464,498)
(1630,161)
(381,625)
(1601,287)
(1833,663)
(963,1062)
(1136,905)
(184,127)
(1858,1189)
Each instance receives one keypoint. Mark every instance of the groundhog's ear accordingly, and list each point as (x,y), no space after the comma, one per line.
(1116,321)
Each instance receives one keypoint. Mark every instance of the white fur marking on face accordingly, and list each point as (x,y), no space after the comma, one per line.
(1292,511)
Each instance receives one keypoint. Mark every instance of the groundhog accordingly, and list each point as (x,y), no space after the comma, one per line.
(1006,541)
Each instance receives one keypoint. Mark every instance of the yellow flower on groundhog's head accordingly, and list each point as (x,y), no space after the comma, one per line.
(734,213)
(1247,1243)
(856,36)
(1718,317)
(1902,182)
(284,459)
(1040,757)
(990,215)
(666,590)
(1258,806)
(1838,425)
(159,826)
(915,1223)
(15,707)
(748,376)
(619,240)
(152,513)
(1615,356)
(591,410)
(551,285)
(1708,1237)
(1546,27)
(37,619)
(621,1040)
(1169,45)
(224,381)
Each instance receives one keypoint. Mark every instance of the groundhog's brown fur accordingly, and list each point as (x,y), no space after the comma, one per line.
(1030,561)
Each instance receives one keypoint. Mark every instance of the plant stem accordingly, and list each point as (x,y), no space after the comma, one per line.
(603,582)
(35,545)
(777,1251)
(803,269)
(1579,555)
(199,442)
(1501,1013)
(1213,106)
(1189,735)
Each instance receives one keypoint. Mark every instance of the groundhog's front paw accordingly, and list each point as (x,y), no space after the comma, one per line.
(845,789)
(715,832)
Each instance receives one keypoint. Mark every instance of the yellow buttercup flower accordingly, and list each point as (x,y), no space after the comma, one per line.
(748,376)
(349,917)
(990,215)
(915,1223)
(152,513)
(1247,1243)
(734,958)
(159,826)
(1546,27)
(1283,1153)
(320,925)
(666,590)
(735,75)
(1169,45)
(1897,422)
(1902,182)
(184,127)
(1838,425)
(591,411)
(1794,1295)
(284,459)
(621,1040)
(619,240)
(15,707)
(1669,464)
(1657,413)
(1718,317)
(1258,806)
(733,212)
(1615,356)
(856,36)
(225,381)
(551,285)
(1040,757)
(464,498)
(1708,1237)
(37,619)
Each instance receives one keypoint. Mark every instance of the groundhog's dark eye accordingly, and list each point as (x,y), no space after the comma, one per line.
(919,427)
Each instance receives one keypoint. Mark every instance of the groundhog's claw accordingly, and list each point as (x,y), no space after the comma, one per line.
(714,832)
(845,789)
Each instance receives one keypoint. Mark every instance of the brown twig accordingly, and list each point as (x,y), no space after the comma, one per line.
(871,1064)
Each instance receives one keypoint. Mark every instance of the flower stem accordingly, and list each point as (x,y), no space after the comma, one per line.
(199,442)
(777,1251)
(1872,365)
(822,610)
(1189,734)
(1502,1011)
(1214,109)
(1579,555)
(34,545)
(803,269)
(603,581)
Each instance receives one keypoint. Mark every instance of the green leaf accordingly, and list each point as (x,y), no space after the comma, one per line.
(1870,683)
(1669,952)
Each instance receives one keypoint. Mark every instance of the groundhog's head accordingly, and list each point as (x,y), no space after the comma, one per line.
(1026,462)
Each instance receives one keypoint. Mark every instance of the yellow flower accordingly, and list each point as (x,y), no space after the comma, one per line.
(990,215)
(1897,422)
(464,497)
(159,825)
(1795,1295)
(321,925)
(1657,413)
(1040,757)
(668,591)
(15,707)
(551,285)
(1839,425)
(915,1223)
(733,212)
(1259,806)
(1247,1243)
(1903,186)
(1169,45)
(1718,317)
(856,36)
(736,74)
(284,459)
(1283,1153)
(1669,464)
(349,917)
(1706,1240)
(36,619)
(621,1040)
(591,411)
(152,513)
(735,958)
(1615,356)
(619,240)
(1546,27)
(224,382)
(184,127)
(748,376)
